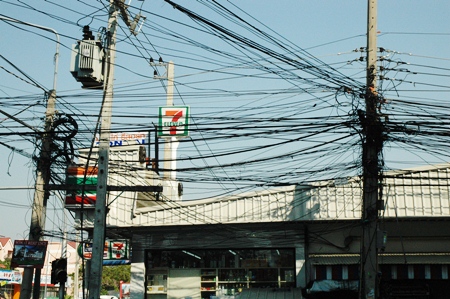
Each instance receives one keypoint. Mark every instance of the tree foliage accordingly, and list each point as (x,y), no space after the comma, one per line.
(112,275)
(6,263)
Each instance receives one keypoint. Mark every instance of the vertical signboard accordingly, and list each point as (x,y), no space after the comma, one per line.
(173,121)
(118,250)
(80,176)
(29,254)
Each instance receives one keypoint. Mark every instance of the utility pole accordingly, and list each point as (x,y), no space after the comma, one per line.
(172,143)
(62,284)
(372,148)
(41,194)
(98,243)
(76,286)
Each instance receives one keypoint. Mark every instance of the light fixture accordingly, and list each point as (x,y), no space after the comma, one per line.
(191,254)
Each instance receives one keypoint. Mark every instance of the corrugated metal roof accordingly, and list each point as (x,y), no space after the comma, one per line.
(424,192)
(385,258)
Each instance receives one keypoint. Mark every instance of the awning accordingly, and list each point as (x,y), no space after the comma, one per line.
(384,258)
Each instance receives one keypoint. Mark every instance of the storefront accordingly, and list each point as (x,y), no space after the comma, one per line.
(406,275)
(217,247)
(10,282)
(194,273)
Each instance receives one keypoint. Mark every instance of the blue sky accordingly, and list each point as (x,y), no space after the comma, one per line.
(415,32)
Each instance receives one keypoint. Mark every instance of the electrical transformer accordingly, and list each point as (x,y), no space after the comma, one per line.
(86,63)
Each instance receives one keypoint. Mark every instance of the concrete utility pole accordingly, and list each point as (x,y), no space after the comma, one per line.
(372,147)
(98,243)
(41,194)
(62,285)
(76,286)
(171,145)
(171,142)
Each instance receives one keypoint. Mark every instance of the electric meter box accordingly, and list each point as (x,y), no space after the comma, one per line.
(86,63)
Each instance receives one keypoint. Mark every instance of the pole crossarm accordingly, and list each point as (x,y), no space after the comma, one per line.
(66,187)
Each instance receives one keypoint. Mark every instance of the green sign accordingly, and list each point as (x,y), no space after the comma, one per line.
(173,121)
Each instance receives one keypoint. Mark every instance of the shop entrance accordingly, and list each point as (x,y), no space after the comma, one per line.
(220,273)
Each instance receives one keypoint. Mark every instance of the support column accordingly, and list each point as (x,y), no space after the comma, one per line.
(138,275)
(41,195)
(98,244)
(171,143)
(372,148)
(300,264)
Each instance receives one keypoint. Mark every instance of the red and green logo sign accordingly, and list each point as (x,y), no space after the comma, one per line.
(113,250)
(79,176)
(173,121)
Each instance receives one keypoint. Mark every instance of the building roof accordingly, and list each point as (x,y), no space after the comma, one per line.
(4,241)
(422,192)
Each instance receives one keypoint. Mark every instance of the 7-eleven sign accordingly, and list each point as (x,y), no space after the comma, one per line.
(173,121)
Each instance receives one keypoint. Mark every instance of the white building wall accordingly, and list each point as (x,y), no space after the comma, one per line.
(421,193)
(300,270)
(331,200)
(418,194)
(6,248)
(137,291)
(273,205)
